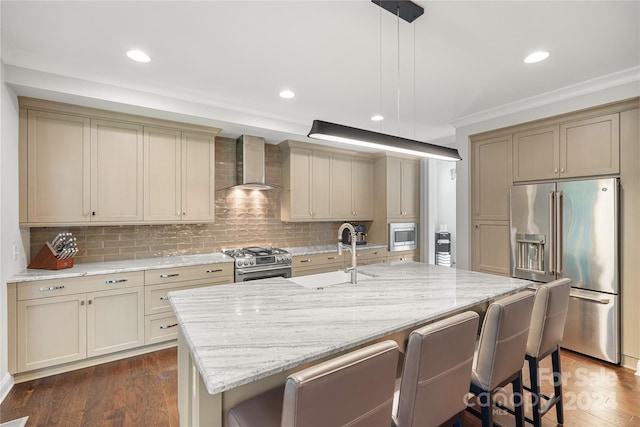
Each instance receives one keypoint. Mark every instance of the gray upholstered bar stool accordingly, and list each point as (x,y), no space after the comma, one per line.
(435,377)
(355,389)
(545,334)
(500,354)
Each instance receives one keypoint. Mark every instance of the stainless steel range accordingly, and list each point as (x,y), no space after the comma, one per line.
(255,263)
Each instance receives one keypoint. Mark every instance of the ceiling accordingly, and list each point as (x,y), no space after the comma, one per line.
(223,63)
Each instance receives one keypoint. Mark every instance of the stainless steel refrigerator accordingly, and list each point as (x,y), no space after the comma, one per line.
(570,229)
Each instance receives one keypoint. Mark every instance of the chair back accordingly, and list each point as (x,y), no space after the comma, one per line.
(355,389)
(548,317)
(436,372)
(503,340)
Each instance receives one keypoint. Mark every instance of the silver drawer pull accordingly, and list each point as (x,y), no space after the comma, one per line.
(114,281)
(53,288)
(164,298)
(168,326)
(214,271)
(305,260)
(165,276)
(596,300)
(332,257)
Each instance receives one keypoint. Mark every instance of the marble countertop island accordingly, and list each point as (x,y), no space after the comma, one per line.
(237,334)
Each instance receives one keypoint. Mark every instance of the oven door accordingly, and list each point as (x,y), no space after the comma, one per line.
(245,275)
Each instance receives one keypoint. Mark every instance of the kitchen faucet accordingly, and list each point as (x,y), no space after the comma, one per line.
(353,269)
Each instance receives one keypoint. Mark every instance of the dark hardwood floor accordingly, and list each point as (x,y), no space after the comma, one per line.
(141,391)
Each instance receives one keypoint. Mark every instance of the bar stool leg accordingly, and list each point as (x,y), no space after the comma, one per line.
(519,404)
(486,408)
(557,384)
(535,390)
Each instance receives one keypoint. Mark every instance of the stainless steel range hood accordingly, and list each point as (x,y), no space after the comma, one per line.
(250,163)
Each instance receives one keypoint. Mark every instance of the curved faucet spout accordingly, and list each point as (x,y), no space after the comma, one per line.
(354,268)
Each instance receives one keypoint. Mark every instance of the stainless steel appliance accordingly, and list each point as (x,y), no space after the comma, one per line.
(570,229)
(361,235)
(403,236)
(255,263)
(443,248)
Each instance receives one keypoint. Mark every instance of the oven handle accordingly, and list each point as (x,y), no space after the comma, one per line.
(277,267)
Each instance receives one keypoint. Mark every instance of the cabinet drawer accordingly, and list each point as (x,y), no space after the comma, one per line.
(75,285)
(403,256)
(157,301)
(160,327)
(180,274)
(317,259)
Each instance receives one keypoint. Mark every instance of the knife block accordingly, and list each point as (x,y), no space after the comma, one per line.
(46,260)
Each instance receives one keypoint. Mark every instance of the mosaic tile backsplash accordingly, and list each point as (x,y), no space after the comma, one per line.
(243,218)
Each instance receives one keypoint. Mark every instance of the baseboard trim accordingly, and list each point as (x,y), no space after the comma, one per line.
(6,384)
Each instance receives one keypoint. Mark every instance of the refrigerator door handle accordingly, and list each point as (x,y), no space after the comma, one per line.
(552,231)
(559,232)
(597,300)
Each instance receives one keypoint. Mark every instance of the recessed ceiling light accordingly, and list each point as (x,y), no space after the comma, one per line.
(138,56)
(536,57)
(377,118)
(287,94)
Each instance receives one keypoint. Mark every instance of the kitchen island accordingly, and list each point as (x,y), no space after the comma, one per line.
(238,340)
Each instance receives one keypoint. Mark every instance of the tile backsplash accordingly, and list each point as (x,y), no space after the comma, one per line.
(243,218)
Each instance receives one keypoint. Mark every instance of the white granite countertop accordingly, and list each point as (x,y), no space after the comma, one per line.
(111,267)
(311,250)
(240,333)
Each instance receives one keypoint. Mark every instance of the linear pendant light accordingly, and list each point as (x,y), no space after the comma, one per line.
(327,131)
(365,138)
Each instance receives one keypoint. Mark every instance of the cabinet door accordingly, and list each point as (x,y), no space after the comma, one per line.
(162,169)
(51,331)
(342,188)
(363,189)
(394,188)
(198,174)
(491,172)
(590,147)
(536,154)
(410,185)
(321,204)
(300,183)
(115,320)
(491,248)
(58,158)
(116,171)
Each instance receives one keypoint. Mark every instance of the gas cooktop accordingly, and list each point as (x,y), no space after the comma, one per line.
(258,256)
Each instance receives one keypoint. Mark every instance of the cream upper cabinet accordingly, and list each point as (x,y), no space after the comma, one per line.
(92,167)
(536,154)
(198,177)
(580,148)
(116,171)
(403,177)
(590,147)
(58,162)
(163,174)
(352,188)
(307,175)
(491,172)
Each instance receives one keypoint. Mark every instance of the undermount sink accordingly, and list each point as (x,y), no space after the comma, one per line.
(323,280)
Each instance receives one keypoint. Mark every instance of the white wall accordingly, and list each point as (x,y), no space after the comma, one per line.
(9,230)
(623,85)
(441,205)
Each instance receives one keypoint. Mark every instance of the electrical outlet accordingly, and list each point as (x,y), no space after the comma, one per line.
(15,252)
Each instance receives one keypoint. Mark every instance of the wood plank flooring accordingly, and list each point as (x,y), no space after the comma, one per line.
(141,391)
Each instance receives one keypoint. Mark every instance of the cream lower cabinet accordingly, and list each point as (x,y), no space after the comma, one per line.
(61,321)
(160,322)
(403,256)
(366,256)
(491,247)
(179,176)
(303,265)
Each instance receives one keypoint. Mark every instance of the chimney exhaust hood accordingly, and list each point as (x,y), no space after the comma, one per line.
(250,164)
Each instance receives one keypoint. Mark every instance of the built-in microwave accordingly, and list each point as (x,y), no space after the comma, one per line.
(403,236)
